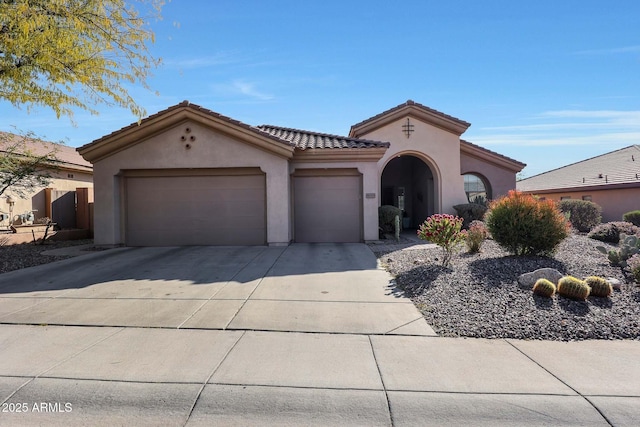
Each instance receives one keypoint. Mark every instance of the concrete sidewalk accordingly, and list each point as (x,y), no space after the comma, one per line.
(304,335)
(112,376)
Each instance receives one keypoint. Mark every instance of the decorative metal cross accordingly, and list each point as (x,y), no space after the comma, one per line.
(407,128)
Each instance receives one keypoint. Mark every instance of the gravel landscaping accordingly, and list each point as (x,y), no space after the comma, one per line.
(479,295)
(15,257)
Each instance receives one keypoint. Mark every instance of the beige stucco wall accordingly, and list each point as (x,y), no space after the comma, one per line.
(370,185)
(60,180)
(438,148)
(499,179)
(614,202)
(210,149)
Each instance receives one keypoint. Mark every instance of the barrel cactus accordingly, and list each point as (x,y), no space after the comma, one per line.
(573,288)
(544,287)
(599,287)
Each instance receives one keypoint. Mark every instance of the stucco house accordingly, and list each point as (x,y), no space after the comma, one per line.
(58,199)
(190,176)
(612,180)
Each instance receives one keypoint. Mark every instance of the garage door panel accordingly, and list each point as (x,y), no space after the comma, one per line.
(195,210)
(327,209)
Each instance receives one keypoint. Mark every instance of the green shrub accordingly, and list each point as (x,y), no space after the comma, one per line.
(633,217)
(523,225)
(573,288)
(599,287)
(445,231)
(470,212)
(583,215)
(634,266)
(544,287)
(627,247)
(610,231)
(386,216)
(476,235)
(480,200)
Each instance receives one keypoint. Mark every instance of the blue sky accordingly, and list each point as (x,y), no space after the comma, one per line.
(547,82)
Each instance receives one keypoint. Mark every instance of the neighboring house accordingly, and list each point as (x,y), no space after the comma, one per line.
(68,173)
(190,176)
(611,180)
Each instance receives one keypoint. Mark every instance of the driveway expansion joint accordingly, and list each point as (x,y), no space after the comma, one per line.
(213,371)
(508,341)
(384,387)
(41,375)
(255,288)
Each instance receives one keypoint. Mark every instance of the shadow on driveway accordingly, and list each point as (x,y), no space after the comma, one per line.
(192,264)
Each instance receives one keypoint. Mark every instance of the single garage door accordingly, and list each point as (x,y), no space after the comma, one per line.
(195,207)
(327,206)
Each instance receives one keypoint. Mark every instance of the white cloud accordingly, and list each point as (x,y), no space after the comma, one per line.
(533,140)
(242,87)
(610,51)
(249,89)
(594,114)
(221,58)
(567,128)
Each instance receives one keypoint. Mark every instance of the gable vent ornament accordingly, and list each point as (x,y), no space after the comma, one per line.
(407,128)
(184,138)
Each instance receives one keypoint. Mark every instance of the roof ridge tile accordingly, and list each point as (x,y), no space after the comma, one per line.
(410,102)
(321,139)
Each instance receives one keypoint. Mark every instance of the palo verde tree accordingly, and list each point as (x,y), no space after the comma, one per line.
(67,54)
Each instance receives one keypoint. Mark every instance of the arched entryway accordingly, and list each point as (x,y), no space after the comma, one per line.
(407,182)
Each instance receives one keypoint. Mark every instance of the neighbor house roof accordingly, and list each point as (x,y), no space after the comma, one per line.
(614,169)
(414,109)
(303,139)
(67,157)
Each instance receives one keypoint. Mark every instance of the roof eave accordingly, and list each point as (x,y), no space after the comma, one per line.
(73,168)
(487,155)
(602,187)
(417,111)
(372,154)
(153,125)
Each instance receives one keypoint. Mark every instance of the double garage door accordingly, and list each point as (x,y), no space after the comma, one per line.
(228,207)
(195,207)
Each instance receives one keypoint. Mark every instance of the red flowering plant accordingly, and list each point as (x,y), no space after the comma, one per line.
(445,231)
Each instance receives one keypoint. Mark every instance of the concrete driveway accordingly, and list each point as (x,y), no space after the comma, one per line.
(304,288)
(304,335)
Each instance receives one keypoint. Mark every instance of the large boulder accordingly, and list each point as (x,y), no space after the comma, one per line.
(527,280)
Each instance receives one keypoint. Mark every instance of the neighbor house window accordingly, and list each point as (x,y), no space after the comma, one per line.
(565,197)
(475,187)
(587,198)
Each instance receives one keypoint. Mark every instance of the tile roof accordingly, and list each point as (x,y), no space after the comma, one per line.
(614,168)
(66,156)
(187,104)
(407,104)
(303,139)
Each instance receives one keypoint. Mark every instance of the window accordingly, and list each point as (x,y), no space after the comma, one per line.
(69,175)
(587,198)
(565,197)
(475,186)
